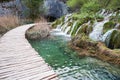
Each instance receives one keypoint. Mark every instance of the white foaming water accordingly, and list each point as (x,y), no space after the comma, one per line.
(81,27)
(58,32)
(117,26)
(67,17)
(78,30)
(96,34)
(107,34)
(73,27)
(103,11)
(67,29)
(64,27)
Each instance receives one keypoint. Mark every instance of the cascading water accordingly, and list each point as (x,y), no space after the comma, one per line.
(78,30)
(72,29)
(107,34)
(117,26)
(68,65)
(65,28)
(96,34)
(88,23)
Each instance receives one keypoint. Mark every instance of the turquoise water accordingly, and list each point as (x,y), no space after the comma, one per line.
(68,65)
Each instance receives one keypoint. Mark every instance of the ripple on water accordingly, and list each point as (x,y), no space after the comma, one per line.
(68,66)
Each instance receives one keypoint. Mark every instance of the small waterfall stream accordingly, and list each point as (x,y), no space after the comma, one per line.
(74,24)
(66,62)
(68,65)
(96,34)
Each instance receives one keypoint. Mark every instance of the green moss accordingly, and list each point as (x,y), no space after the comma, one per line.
(57,22)
(83,41)
(108,26)
(99,18)
(79,22)
(83,29)
(89,29)
(113,40)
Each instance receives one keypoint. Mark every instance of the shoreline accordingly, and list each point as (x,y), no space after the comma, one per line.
(103,53)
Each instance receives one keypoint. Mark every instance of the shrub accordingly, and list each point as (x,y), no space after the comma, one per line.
(90,7)
(8,22)
(75,3)
(33,8)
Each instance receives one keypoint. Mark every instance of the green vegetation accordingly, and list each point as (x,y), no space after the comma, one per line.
(34,8)
(94,5)
(113,40)
(108,26)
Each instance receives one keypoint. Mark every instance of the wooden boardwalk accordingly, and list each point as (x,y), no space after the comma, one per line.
(19,61)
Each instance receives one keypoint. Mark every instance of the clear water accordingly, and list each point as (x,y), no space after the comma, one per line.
(69,66)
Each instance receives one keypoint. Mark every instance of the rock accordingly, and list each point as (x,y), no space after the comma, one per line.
(107,26)
(85,28)
(86,47)
(39,31)
(12,7)
(112,41)
(55,9)
(83,41)
(108,55)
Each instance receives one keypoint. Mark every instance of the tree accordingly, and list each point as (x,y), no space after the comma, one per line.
(33,8)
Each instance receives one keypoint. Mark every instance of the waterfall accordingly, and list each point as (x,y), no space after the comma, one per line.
(78,30)
(103,11)
(64,27)
(107,34)
(88,23)
(67,29)
(73,27)
(96,34)
(67,17)
(117,25)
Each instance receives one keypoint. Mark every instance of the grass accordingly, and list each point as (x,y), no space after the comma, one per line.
(8,22)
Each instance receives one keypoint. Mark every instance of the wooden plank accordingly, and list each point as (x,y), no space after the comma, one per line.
(19,61)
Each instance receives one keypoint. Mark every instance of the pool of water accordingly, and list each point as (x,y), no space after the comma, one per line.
(68,65)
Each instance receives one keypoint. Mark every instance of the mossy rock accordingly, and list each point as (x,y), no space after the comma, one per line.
(78,23)
(115,18)
(99,18)
(108,26)
(83,41)
(86,29)
(57,22)
(113,40)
